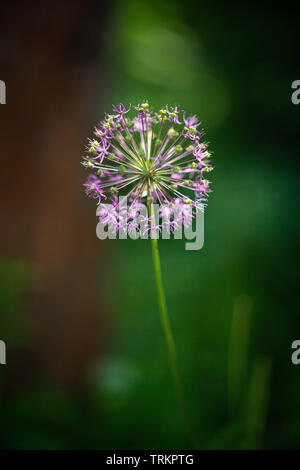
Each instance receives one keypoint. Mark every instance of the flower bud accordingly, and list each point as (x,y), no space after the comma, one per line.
(172,133)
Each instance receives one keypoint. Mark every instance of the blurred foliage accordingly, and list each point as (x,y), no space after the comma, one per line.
(233,68)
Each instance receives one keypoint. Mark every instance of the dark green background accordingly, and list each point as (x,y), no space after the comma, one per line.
(234,304)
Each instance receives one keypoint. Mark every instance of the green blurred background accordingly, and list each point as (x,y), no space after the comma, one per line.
(87,366)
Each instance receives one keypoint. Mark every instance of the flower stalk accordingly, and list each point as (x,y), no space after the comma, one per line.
(169,336)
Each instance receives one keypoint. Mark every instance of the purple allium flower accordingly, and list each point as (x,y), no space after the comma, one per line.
(151,157)
(93,188)
(191,121)
(148,176)
(173,114)
(120,110)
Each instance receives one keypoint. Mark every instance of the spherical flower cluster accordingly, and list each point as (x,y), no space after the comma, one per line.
(152,157)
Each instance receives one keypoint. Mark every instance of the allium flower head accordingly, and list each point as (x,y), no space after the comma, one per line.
(149,157)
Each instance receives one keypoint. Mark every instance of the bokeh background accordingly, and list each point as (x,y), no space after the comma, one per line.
(87,365)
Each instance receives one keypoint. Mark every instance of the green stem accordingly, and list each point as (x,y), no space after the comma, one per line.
(169,339)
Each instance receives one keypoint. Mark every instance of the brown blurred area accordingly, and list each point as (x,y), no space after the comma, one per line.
(52,63)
